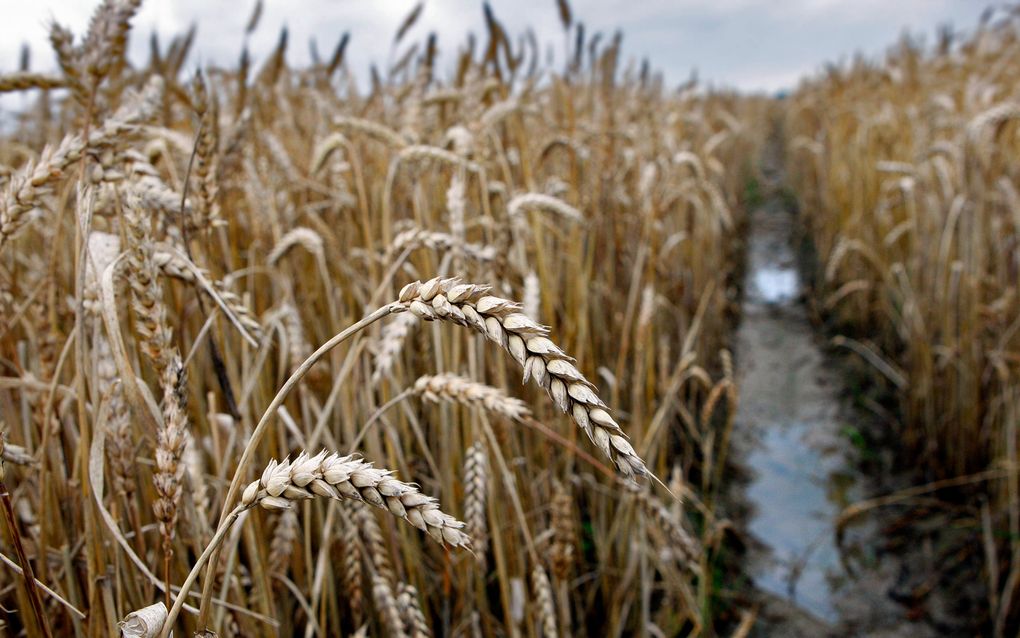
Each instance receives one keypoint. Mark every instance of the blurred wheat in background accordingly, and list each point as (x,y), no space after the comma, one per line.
(907,170)
(175,245)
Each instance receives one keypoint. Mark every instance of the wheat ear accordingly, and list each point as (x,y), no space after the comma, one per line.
(544,597)
(30,184)
(527,342)
(352,574)
(678,537)
(348,477)
(410,611)
(451,388)
(386,603)
(332,476)
(24,80)
(476,472)
(563,533)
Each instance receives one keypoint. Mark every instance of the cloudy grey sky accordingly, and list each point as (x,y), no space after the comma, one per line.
(749,44)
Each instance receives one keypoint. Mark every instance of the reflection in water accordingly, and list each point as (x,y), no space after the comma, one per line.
(794,517)
(774,285)
(790,408)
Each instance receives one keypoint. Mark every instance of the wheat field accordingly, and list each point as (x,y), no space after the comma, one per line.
(907,173)
(448,349)
(234,303)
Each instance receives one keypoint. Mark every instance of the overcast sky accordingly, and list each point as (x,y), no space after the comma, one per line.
(749,44)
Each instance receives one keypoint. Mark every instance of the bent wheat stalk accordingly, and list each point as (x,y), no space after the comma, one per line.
(501,321)
(263,425)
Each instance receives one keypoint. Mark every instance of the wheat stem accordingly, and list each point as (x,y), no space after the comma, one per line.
(263,425)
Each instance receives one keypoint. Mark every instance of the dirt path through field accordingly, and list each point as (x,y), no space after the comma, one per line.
(793,433)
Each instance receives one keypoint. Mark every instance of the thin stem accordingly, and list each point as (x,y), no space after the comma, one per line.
(263,426)
(210,549)
(511,488)
(378,414)
(49,592)
(167,552)
(26,567)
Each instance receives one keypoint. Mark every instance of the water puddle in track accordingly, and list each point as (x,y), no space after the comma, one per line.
(790,408)
(774,285)
(793,435)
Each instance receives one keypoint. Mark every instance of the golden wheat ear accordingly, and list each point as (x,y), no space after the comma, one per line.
(502,322)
